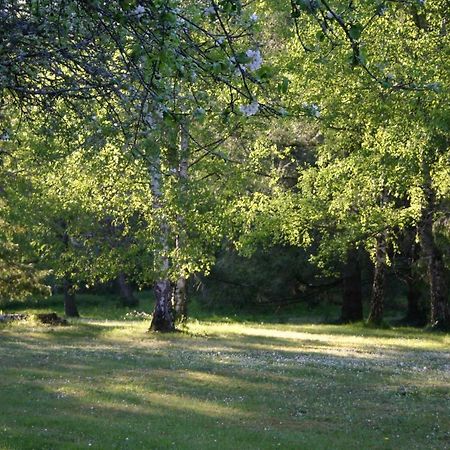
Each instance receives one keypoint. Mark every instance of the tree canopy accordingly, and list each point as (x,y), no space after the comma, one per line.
(141,137)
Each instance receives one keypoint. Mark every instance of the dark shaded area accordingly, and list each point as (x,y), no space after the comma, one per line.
(352,299)
(51,319)
(270,280)
(126,291)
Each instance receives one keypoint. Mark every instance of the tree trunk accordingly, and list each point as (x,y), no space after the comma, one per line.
(180,299)
(162,314)
(379,281)
(352,310)
(180,288)
(70,306)
(126,293)
(439,314)
(162,319)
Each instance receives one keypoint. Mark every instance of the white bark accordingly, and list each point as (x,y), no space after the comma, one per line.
(180,294)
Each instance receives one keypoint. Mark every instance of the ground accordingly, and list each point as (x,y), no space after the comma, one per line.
(111,385)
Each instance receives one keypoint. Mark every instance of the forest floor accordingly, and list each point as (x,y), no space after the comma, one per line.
(108,384)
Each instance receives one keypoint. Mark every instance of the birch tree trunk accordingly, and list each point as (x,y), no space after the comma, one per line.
(180,288)
(379,281)
(162,319)
(180,299)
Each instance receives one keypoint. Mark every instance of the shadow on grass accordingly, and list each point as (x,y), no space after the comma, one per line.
(95,386)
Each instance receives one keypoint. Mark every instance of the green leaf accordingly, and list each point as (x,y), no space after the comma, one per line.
(362,57)
(283,86)
(355,31)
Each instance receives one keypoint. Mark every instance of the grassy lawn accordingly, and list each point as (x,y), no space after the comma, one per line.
(110,385)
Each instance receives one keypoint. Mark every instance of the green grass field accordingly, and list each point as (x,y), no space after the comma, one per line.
(111,385)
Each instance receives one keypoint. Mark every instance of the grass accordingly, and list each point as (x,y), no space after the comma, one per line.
(108,384)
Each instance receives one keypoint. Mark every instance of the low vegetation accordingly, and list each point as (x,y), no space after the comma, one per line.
(110,384)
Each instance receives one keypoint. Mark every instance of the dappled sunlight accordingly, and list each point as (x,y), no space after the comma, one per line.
(191,404)
(245,378)
(203,378)
(122,393)
(322,334)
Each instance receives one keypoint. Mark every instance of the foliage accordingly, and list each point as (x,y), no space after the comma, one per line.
(141,85)
(18,277)
(147,133)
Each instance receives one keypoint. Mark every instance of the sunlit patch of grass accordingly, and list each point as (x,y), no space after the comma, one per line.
(111,384)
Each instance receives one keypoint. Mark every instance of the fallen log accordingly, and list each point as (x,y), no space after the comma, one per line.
(45,318)
(51,319)
(12,317)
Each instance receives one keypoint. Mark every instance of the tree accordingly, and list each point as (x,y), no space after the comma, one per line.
(152,65)
(362,68)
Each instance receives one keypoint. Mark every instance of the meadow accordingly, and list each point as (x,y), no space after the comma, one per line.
(109,384)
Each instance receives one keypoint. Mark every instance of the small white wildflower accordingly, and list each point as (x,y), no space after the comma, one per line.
(139,11)
(254,17)
(256,59)
(249,110)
